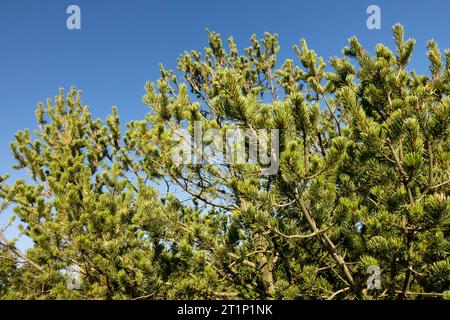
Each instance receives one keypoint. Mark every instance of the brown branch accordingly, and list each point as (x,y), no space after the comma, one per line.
(337,293)
(244,261)
(402,173)
(440,184)
(430,294)
(17,252)
(225,294)
(325,240)
(298,236)
(430,163)
(332,113)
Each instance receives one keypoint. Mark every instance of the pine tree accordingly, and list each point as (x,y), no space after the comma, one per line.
(363,181)
(86,208)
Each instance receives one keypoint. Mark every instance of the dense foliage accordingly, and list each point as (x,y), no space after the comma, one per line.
(363,180)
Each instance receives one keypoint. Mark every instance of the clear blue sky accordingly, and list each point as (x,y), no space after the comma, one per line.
(121,43)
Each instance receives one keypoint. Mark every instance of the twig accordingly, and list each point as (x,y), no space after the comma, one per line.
(337,293)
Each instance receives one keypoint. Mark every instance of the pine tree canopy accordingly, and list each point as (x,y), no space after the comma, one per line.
(362,181)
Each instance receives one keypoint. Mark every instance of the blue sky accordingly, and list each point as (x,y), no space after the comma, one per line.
(121,43)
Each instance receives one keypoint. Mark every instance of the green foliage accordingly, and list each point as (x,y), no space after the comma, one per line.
(363,181)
